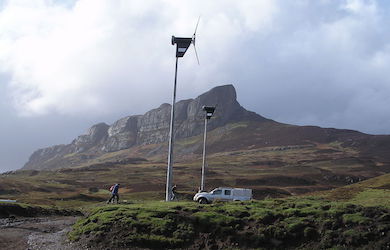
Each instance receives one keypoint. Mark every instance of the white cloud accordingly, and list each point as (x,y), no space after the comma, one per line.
(320,62)
(360,6)
(95,53)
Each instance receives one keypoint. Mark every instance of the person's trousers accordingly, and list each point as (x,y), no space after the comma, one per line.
(113,196)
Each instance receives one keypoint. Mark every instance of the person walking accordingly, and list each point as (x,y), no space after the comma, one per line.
(114,194)
(174,193)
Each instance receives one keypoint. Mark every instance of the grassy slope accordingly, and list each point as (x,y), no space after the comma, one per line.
(273,223)
(270,171)
(336,219)
(355,216)
(372,192)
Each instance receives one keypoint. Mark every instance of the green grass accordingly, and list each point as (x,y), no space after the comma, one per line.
(373,197)
(356,218)
(149,224)
(372,192)
(291,222)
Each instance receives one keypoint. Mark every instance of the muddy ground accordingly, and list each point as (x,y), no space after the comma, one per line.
(36,233)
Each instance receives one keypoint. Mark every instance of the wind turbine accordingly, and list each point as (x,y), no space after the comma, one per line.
(182,45)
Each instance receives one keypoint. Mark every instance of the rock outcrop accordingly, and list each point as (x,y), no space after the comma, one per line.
(150,128)
(96,134)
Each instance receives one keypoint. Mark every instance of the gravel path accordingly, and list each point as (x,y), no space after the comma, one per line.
(37,233)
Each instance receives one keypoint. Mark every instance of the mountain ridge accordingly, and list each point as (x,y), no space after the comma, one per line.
(150,128)
(232,128)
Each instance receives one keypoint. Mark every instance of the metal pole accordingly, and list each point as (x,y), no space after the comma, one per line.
(168,192)
(204,155)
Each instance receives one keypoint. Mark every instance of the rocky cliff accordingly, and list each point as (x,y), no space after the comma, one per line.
(150,128)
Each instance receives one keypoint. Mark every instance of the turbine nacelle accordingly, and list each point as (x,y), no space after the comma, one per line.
(183,43)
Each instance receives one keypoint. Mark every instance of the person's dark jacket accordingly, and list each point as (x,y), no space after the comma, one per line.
(115,189)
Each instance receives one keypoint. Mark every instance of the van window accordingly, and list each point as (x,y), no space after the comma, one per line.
(228,192)
(216,192)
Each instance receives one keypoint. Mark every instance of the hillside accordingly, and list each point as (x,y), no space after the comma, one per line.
(274,171)
(372,192)
(273,159)
(233,128)
(148,129)
(351,217)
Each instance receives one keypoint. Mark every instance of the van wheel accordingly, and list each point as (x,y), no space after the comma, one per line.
(202,201)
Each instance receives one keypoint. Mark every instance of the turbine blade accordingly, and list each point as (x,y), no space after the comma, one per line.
(196,53)
(194,39)
(196,27)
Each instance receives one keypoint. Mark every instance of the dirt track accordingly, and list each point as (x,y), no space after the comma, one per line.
(36,233)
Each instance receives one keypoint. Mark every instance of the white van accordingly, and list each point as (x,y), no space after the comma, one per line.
(224,194)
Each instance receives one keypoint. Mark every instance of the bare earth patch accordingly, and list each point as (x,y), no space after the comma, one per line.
(36,233)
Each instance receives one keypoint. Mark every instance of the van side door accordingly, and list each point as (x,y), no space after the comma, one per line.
(227,195)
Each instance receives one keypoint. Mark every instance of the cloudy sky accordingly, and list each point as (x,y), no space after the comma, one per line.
(67,64)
